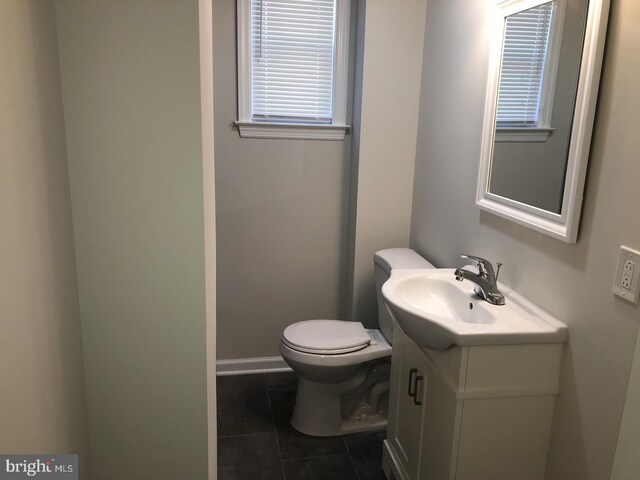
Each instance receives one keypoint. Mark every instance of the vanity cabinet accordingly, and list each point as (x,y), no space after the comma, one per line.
(470,412)
(407,405)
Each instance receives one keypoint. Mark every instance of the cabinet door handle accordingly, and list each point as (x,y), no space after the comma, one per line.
(410,391)
(419,378)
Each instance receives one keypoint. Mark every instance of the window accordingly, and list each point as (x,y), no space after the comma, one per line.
(528,70)
(292,68)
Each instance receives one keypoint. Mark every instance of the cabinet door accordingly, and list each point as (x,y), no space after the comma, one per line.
(440,431)
(406,408)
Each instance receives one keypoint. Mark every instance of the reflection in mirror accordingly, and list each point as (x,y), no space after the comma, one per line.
(540,102)
(536,97)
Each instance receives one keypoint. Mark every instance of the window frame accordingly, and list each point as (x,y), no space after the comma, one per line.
(338,127)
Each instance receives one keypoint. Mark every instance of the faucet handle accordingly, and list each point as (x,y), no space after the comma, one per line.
(483,264)
(499,266)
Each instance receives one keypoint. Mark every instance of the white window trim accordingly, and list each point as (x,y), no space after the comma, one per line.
(541,132)
(338,127)
(522,135)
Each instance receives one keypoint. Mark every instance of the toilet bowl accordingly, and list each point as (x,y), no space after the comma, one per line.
(343,367)
(333,395)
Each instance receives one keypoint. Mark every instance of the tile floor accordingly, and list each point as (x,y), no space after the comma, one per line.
(256,440)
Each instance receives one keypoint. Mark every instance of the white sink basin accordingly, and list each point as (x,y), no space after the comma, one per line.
(437,311)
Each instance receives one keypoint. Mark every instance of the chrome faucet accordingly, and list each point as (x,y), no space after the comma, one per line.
(486,280)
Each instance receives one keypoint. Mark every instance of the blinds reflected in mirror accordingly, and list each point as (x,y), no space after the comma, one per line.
(525,61)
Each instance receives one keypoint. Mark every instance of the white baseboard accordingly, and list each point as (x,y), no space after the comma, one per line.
(245,366)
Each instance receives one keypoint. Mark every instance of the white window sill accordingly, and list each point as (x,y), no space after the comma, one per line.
(522,135)
(291,131)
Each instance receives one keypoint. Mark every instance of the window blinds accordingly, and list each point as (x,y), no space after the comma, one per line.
(524,60)
(292,60)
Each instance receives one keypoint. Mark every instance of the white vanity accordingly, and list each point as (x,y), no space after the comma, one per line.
(473,385)
(473,381)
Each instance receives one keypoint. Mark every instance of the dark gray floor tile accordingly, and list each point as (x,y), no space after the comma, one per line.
(243,405)
(230,387)
(281,380)
(282,403)
(365,444)
(249,457)
(294,444)
(333,467)
(366,451)
(369,468)
(251,406)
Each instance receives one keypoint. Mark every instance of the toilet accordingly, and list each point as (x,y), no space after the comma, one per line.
(343,367)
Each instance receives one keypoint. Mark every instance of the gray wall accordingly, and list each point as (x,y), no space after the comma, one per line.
(389,54)
(627,461)
(571,281)
(131,88)
(281,214)
(41,375)
(626,68)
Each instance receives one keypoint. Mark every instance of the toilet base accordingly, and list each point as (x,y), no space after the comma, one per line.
(355,405)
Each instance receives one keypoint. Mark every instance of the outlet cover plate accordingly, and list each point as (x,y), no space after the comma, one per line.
(631,293)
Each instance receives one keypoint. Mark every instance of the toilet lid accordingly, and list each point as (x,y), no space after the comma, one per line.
(328,337)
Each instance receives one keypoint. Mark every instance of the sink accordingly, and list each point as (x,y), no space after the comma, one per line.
(437,311)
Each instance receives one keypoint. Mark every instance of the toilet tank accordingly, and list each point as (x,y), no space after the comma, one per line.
(383,262)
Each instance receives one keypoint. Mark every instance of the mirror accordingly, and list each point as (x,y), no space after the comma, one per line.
(541,96)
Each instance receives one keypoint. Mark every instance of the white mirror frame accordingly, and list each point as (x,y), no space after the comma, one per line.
(563,226)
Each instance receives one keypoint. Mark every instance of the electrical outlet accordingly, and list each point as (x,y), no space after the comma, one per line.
(626,283)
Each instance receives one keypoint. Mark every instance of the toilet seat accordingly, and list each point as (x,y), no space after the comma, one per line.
(326,337)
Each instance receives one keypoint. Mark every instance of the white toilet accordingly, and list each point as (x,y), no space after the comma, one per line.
(343,367)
